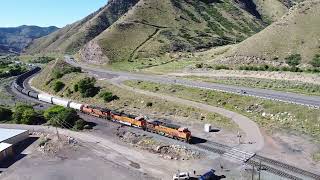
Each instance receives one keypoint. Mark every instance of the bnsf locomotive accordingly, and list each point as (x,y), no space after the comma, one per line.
(162,128)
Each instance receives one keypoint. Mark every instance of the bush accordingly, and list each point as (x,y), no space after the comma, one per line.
(108,96)
(293,60)
(316,61)
(149,104)
(76,88)
(58,86)
(199,65)
(25,114)
(86,87)
(218,67)
(79,124)
(5,114)
(59,116)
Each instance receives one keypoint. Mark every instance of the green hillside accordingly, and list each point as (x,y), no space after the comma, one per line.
(152,28)
(297,32)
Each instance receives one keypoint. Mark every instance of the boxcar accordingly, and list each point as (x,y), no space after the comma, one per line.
(60,102)
(25,91)
(33,94)
(76,106)
(45,98)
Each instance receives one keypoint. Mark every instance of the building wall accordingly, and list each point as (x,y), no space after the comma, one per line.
(6,153)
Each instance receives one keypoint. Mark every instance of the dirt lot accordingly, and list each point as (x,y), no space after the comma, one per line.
(57,159)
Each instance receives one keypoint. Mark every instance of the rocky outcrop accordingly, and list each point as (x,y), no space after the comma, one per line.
(92,53)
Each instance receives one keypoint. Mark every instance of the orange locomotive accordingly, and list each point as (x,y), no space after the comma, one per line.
(96,111)
(129,119)
(159,127)
(170,130)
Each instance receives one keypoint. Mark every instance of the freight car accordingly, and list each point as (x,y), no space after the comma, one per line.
(170,130)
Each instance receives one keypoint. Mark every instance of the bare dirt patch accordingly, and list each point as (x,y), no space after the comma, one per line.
(164,150)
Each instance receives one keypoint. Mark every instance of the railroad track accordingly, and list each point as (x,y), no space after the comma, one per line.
(267,164)
(288,167)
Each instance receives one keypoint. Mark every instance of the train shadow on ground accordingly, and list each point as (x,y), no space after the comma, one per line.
(197,140)
(17,150)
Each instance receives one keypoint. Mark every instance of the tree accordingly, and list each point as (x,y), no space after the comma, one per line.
(316,61)
(5,114)
(25,114)
(58,86)
(86,87)
(59,116)
(293,60)
(108,96)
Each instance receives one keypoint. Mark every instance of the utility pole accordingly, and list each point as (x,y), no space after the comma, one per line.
(252,172)
(239,137)
(259,169)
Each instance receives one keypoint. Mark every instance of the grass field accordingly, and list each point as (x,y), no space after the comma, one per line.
(279,85)
(268,114)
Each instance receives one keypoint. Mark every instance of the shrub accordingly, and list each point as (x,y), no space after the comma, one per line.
(58,86)
(149,104)
(200,65)
(5,114)
(108,96)
(59,116)
(79,124)
(293,60)
(25,114)
(86,87)
(76,88)
(218,67)
(316,61)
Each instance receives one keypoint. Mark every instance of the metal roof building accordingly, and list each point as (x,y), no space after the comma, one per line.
(13,136)
(8,138)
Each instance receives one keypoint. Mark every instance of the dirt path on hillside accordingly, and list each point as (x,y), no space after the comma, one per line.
(253,141)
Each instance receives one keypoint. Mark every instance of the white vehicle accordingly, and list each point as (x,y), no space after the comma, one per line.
(181,176)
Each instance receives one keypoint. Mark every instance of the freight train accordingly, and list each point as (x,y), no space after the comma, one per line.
(159,127)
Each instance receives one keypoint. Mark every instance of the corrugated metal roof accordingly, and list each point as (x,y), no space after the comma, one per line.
(9,133)
(4,146)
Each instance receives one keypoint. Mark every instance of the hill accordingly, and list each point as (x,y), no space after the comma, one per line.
(153,28)
(295,33)
(125,30)
(72,37)
(15,39)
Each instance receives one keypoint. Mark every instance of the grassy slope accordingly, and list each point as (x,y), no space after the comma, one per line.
(297,32)
(128,101)
(152,28)
(72,37)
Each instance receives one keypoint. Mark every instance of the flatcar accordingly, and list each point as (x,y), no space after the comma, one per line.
(169,130)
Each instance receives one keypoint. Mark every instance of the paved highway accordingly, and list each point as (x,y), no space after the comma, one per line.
(311,101)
